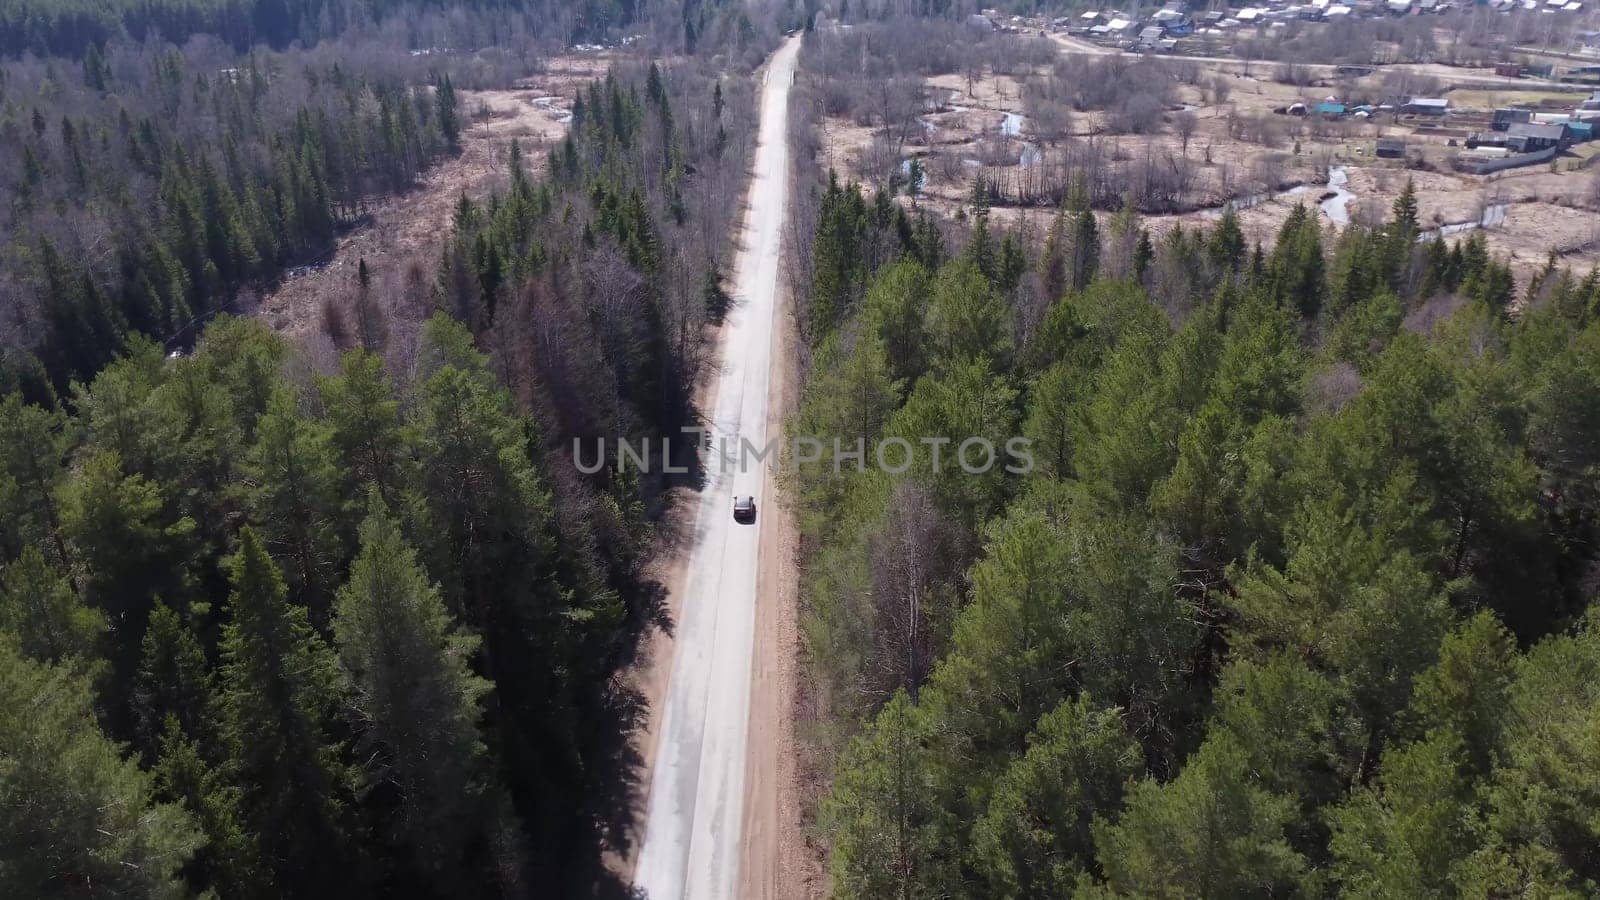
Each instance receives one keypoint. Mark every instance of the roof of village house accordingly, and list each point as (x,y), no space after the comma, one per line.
(1542,132)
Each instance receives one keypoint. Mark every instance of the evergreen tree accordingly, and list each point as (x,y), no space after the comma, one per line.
(363,418)
(417,697)
(39,608)
(278,689)
(1211,832)
(295,500)
(79,818)
(174,685)
(1034,838)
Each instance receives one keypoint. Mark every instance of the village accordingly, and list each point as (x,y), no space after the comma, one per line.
(1182,136)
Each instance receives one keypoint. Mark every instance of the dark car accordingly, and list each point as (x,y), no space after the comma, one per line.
(744,509)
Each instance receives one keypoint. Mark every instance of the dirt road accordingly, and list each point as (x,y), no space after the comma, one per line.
(693,824)
(1447,75)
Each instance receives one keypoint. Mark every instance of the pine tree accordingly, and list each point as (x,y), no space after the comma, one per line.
(278,690)
(369,318)
(893,835)
(173,686)
(32,448)
(227,862)
(80,818)
(294,499)
(39,608)
(414,690)
(1211,832)
(1034,838)
(363,417)
(1085,249)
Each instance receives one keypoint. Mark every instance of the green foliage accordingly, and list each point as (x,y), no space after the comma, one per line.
(1296,538)
(1214,831)
(80,818)
(41,609)
(1403,836)
(419,701)
(1034,839)
(278,691)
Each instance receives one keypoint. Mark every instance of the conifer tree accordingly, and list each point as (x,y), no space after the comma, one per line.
(363,417)
(79,817)
(417,697)
(39,608)
(278,689)
(295,500)
(174,685)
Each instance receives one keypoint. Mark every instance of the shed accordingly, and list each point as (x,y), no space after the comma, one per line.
(1580,132)
(1505,118)
(1390,148)
(1331,110)
(1426,106)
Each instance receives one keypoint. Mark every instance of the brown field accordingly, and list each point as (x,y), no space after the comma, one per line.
(401,235)
(1546,209)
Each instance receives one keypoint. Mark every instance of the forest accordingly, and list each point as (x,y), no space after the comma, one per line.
(1296,600)
(288,619)
(149,187)
(70,27)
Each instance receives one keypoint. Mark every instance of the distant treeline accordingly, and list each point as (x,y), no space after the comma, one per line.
(69,27)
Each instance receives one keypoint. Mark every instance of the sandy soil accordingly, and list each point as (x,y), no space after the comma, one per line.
(779,861)
(405,231)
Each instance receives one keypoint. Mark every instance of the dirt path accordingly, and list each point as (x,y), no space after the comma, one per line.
(404,232)
(1446,74)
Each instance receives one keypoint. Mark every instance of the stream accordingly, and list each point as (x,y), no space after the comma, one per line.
(1336,206)
(1493,214)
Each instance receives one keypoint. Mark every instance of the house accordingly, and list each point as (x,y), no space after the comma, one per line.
(980,22)
(1580,132)
(1150,34)
(1529,138)
(1426,106)
(1390,148)
(1508,70)
(1505,118)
